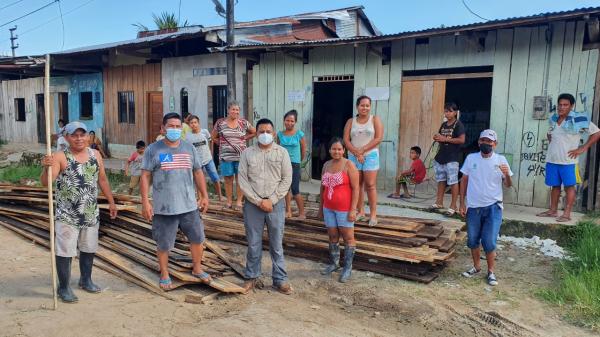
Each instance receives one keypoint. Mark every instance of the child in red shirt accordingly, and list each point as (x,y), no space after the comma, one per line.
(414,175)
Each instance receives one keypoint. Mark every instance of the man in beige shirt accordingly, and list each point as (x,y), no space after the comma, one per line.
(265,176)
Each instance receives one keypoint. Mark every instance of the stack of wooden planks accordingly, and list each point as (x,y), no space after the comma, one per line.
(126,245)
(414,249)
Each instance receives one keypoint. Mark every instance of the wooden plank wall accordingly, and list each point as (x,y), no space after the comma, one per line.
(525,65)
(137,78)
(10,129)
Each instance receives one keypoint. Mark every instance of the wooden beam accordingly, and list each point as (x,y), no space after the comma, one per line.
(447,76)
(593,197)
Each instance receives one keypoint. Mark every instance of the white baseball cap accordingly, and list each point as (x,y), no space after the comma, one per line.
(489,134)
(74,126)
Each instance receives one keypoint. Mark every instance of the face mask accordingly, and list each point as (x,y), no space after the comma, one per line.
(265,138)
(173,134)
(485,148)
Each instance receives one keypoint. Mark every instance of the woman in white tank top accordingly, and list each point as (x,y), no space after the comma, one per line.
(362,135)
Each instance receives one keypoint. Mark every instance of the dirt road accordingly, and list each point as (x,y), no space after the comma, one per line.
(370,305)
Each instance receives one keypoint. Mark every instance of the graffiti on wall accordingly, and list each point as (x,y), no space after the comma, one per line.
(535,161)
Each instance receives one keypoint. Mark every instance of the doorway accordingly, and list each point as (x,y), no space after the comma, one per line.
(217,108)
(41,118)
(333,106)
(63,106)
(422,112)
(155,112)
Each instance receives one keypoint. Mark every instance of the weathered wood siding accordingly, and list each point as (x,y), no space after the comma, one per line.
(137,78)
(10,129)
(525,65)
(75,85)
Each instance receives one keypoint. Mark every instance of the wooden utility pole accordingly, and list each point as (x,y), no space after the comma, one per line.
(13,38)
(50,187)
(230,54)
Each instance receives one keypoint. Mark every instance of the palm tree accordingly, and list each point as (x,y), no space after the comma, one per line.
(166,20)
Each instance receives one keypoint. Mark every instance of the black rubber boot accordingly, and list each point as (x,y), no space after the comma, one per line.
(86,261)
(334,259)
(63,269)
(348,258)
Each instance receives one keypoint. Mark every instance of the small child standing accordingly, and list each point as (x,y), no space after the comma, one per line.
(134,165)
(201,140)
(414,175)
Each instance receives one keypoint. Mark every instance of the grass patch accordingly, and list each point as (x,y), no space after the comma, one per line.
(578,288)
(15,174)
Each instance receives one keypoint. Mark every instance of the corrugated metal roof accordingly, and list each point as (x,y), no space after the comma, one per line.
(492,24)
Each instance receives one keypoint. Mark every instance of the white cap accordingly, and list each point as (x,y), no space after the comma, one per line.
(489,134)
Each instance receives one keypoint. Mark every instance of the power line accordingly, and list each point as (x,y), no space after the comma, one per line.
(10,4)
(32,12)
(62,22)
(57,17)
(469,9)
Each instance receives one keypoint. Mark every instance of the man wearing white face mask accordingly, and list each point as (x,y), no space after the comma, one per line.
(175,168)
(265,176)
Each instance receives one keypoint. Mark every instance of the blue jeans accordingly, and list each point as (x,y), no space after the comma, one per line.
(254,222)
(335,219)
(483,227)
(371,161)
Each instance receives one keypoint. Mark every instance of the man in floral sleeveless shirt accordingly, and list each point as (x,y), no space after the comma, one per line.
(78,172)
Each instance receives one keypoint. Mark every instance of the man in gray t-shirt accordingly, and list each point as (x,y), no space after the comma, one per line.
(175,169)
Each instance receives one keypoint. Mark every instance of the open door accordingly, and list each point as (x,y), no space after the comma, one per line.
(421,113)
(41,118)
(155,114)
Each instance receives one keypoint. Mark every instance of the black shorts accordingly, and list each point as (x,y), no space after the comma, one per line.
(164,229)
(296,175)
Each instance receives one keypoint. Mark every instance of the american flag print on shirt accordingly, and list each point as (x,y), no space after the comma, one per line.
(175,161)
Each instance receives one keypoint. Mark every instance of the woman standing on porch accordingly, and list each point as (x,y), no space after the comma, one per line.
(231,133)
(293,141)
(362,135)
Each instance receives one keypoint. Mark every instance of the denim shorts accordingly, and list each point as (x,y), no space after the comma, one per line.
(211,170)
(446,172)
(228,168)
(334,219)
(164,229)
(371,161)
(483,226)
(557,175)
(296,175)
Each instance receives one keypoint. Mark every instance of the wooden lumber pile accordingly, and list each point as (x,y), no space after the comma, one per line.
(414,249)
(126,245)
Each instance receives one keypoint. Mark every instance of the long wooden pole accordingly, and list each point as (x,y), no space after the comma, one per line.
(50,187)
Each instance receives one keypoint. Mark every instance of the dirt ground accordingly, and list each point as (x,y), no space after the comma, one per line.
(370,305)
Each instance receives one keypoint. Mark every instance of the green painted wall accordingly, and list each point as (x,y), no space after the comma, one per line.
(525,65)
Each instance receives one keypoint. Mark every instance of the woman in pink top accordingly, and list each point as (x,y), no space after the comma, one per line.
(339,195)
(362,136)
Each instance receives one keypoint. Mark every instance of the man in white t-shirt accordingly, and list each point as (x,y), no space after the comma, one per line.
(566,129)
(484,173)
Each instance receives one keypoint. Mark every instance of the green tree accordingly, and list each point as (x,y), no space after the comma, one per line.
(165,20)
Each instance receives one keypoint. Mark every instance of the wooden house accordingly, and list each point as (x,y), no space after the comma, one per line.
(504,74)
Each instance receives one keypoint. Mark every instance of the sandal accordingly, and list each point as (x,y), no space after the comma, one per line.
(226,207)
(436,206)
(372,222)
(491,279)
(165,284)
(301,217)
(394,196)
(450,212)
(563,218)
(547,214)
(203,276)
(362,218)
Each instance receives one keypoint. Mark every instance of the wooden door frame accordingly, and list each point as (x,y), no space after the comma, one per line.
(149,136)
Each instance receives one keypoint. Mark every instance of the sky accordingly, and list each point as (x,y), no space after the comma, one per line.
(90,22)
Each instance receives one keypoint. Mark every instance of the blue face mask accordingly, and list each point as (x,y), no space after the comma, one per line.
(173,134)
